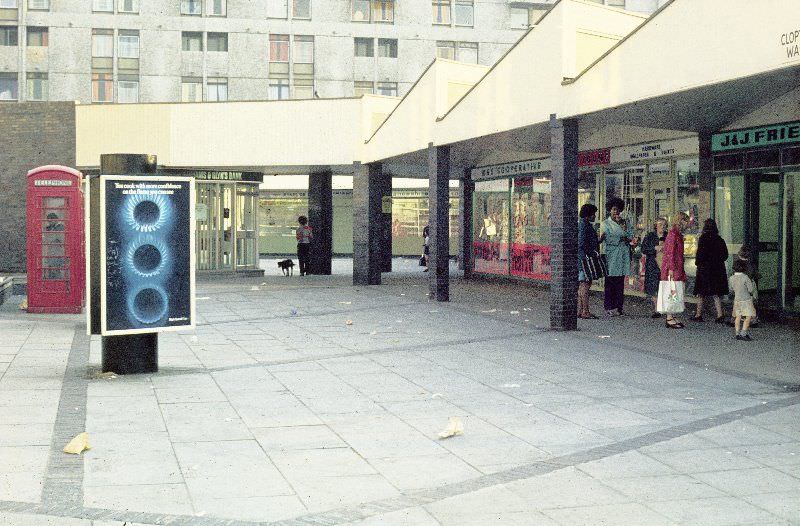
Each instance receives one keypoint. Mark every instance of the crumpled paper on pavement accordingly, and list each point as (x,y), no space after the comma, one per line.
(78,445)
(104,376)
(455,426)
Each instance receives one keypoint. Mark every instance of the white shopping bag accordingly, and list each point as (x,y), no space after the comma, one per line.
(670,297)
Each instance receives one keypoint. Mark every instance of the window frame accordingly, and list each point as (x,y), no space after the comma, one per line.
(194,81)
(216,82)
(30,8)
(108,35)
(11,76)
(383,4)
(294,15)
(363,84)
(217,36)
(122,81)
(190,36)
(134,9)
(108,82)
(273,40)
(95,8)
(185,4)
(128,34)
(370,42)
(44,36)
(439,6)
(282,84)
(380,85)
(210,10)
(10,30)
(454,12)
(393,45)
(367,14)
(36,75)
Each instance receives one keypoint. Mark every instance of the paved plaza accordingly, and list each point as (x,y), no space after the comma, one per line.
(307,401)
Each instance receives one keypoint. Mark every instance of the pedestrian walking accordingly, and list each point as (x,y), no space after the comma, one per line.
(588,244)
(746,254)
(304,235)
(743,308)
(653,251)
(618,238)
(711,280)
(426,240)
(673,275)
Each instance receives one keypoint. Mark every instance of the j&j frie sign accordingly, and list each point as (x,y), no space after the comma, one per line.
(790,42)
(509,169)
(754,137)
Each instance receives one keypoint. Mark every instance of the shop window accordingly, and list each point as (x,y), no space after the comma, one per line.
(128,89)
(388,89)
(217,42)
(192,41)
(216,7)
(491,221)
(38,5)
(217,89)
(587,188)
(8,86)
(301,9)
(37,86)
(103,6)
(465,13)
(362,87)
(37,36)
(441,12)
(191,7)
(128,44)
(695,203)
(9,36)
(278,89)
(530,248)
(191,89)
(128,6)
(363,47)
(729,210)
(102,87)
(277,8)
(387,47)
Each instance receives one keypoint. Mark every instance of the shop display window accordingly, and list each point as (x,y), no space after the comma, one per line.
(491,220)
(587,187)
(729,210)
(694,203)
(531,206)
(628,184)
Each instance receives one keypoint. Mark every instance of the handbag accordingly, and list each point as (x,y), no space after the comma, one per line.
(670,297)
(595,265)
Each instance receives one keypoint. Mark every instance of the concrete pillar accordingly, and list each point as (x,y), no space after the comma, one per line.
(439,221)
(564,224)
(385,184)
(320,218)
(367,224)
(706,166)
(467,188)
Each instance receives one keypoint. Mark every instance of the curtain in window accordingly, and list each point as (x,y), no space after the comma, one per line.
(102,45)
(217,90)
(129,46)
(102,87)
(128,91)
(465,13)
(301,9)
(441,12)
(216,7)
(383,10)
(102,5)
(279,48)
(303,50)
(129,6)
(8,86)
(38,4)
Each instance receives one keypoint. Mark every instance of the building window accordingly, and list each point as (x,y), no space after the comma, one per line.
(191,89)
(303,67)
(103,6)
(303,50)
(301,9)
(9,36)
(128,90)
(191,7)
(303,89)
(383,11)
(460,51)
(446,49)
(38,5)
(387,47)
(8,4)
(128,44)
(465,13)
(362,87)
(388,89)
(37,86)
(519,17)
(102,43)
(360,10)
(37,36)
(128,6)
(279,48)
(278,89)
(8,86)
(363,47)
(102,87)
(217,89)
(277,8)
(191,41)
(441,12)
(218,42)
(616,3)
(217,8)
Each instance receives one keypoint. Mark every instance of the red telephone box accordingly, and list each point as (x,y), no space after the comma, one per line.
(56,258)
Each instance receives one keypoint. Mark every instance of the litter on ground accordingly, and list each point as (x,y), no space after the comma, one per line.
(78,445)
(454,427)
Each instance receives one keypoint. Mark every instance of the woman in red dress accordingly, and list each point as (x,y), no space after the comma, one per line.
(672,265)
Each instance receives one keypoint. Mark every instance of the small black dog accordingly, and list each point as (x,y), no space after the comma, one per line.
(287,266)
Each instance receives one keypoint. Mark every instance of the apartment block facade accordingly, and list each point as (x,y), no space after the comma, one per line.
(126,51)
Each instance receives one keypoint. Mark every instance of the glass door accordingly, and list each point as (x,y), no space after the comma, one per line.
(791,241)
(225,230)
(765,233)
(246,195)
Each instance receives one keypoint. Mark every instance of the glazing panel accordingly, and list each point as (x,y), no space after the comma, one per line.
(531,206)
(769,219)
(791,251)
(490,226)
(729,210)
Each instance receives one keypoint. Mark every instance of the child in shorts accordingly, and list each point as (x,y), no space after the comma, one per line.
(742,287)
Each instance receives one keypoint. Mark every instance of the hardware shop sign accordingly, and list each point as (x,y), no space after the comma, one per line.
(756,137)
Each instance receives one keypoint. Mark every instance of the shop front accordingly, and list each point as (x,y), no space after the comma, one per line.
(512,204)
(756,191)
(226,216)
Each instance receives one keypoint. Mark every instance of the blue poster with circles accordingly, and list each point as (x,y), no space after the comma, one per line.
(147,254)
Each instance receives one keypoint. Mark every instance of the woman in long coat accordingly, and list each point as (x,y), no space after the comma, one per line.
(587,244)
(653,248)
(672,264)
(712,276)
(618,238)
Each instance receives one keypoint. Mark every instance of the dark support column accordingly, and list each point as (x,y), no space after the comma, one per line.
(564,224)
(367,224)
(439,221)
(320,218)
(466,190)
(385,183)
(706,168)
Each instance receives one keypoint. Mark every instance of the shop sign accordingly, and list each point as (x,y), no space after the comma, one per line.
(790,42)
(52,182)
(594,157)
(510,169)
(654,150)
(212,175)
(754,137)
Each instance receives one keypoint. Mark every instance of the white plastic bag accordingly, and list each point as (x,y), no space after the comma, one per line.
(670,297)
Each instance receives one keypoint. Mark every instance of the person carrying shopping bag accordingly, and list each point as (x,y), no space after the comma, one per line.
(673,275)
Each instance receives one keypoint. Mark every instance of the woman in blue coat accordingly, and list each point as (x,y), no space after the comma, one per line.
(587,244)
(618,238)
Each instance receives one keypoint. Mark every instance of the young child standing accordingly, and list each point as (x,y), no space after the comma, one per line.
(304,235)
(742,287)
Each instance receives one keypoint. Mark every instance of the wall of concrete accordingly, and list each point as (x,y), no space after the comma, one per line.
(34,134)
